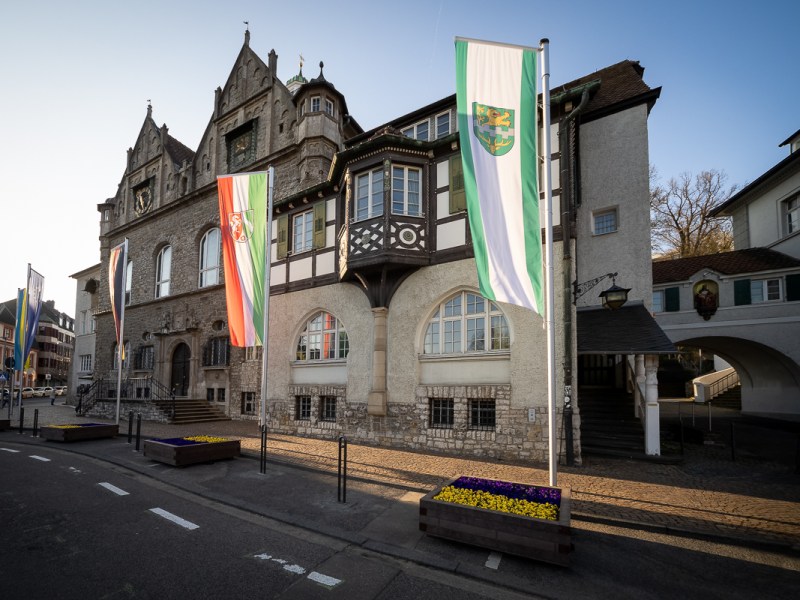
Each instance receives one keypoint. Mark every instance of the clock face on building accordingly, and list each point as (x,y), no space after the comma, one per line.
(143,200)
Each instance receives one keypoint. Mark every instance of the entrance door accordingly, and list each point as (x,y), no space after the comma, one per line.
(179,383)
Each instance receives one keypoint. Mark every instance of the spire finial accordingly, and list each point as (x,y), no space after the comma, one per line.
(246,33)
(302,60)
(321,65)
(149,108)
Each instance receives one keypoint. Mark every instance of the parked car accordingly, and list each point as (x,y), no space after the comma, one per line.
(28,392)
(46,391)
(61,390)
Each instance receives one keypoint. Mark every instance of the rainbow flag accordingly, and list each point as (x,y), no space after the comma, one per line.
(243,223)
(117,264)
(29,306)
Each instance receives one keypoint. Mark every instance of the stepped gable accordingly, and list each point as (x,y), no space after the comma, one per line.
(750,260)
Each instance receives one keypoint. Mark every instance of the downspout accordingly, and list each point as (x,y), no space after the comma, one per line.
(568,200)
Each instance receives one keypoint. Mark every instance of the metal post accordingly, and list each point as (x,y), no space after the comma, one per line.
(263,463)
(709,416)
(35,422)
(21,418)
(568,434)
(138,429)
(680,423)
(130,426)
(733,441)
(341,483)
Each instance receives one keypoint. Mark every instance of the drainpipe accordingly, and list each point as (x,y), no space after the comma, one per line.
(568,201)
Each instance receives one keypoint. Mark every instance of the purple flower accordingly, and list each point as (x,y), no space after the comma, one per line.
(531,493)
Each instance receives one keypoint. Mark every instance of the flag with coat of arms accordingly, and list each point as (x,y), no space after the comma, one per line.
(497,121)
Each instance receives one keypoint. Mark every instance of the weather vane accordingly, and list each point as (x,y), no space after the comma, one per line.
(246,25)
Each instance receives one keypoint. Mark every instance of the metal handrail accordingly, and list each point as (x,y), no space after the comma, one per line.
(147,390)
(723,384)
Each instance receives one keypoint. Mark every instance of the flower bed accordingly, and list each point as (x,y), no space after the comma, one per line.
(76,432)
(191,450)
(526,520)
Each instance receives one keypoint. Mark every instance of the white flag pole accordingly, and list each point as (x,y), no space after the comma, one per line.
(544,56)
(121,340)
(267,268)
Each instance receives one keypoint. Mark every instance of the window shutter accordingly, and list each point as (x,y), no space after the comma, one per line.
(458,197)
(319,224)
(283,236)
(741,292)
(792,287)
(672,299)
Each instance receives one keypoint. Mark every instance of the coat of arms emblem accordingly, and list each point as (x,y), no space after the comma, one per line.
(494,128)
(240,225)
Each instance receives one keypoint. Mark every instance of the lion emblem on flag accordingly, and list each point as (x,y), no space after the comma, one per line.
(240,225)
(494,128)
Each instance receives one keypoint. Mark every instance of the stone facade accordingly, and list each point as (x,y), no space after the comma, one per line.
(381,279)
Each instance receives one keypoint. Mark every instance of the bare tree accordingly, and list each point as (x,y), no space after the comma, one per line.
(680,215)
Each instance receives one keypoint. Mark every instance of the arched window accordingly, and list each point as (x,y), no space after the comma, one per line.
(209,258)
(323,338)
(467,323)
(163,271)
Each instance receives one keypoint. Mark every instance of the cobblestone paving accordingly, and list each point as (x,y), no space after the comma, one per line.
(707,493)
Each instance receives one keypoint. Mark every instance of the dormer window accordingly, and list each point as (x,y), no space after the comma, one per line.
(443,125)
(242,145)
(418,131)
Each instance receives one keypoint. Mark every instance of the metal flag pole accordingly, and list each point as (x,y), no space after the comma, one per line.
(121,340)
(544,57)
(267,268)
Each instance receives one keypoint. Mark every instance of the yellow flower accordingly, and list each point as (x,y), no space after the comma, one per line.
(208,439)
(481,499)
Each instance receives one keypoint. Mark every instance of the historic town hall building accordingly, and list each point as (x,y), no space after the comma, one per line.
(377,329)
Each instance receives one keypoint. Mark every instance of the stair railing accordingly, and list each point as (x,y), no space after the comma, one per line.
(723,384)
(147,390)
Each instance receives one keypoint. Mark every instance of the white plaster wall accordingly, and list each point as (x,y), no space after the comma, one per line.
(300,269)
(416,300)
(615,172)
(451,234)
(764,216)
(325,263)
(288,314)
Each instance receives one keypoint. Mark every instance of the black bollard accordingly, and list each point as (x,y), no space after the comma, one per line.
(35,422)
(263,462)
(21,418)
(138,429)
(341,484)
(130,426)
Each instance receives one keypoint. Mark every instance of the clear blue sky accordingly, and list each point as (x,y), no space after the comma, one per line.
(77,76)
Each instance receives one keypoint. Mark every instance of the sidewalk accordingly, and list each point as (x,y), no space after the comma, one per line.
(753,501)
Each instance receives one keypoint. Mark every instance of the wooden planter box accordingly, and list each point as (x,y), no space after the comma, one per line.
(539,539)
(180,456)
(90,431)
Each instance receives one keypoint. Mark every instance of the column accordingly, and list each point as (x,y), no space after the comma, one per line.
(640,381)
(376,403)
(652,433)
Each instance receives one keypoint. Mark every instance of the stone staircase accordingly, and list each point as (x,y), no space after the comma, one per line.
(608,424)
(189,410)
(730,398)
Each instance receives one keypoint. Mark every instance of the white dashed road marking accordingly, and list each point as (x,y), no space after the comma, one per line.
(41,458)
(174,518)
(493,562)
(325,580)
(9,450)
(113,488)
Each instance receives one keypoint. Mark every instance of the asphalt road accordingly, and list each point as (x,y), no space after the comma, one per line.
(66,532)
(75,527)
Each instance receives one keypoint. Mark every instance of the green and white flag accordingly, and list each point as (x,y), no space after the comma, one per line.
(496,98)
